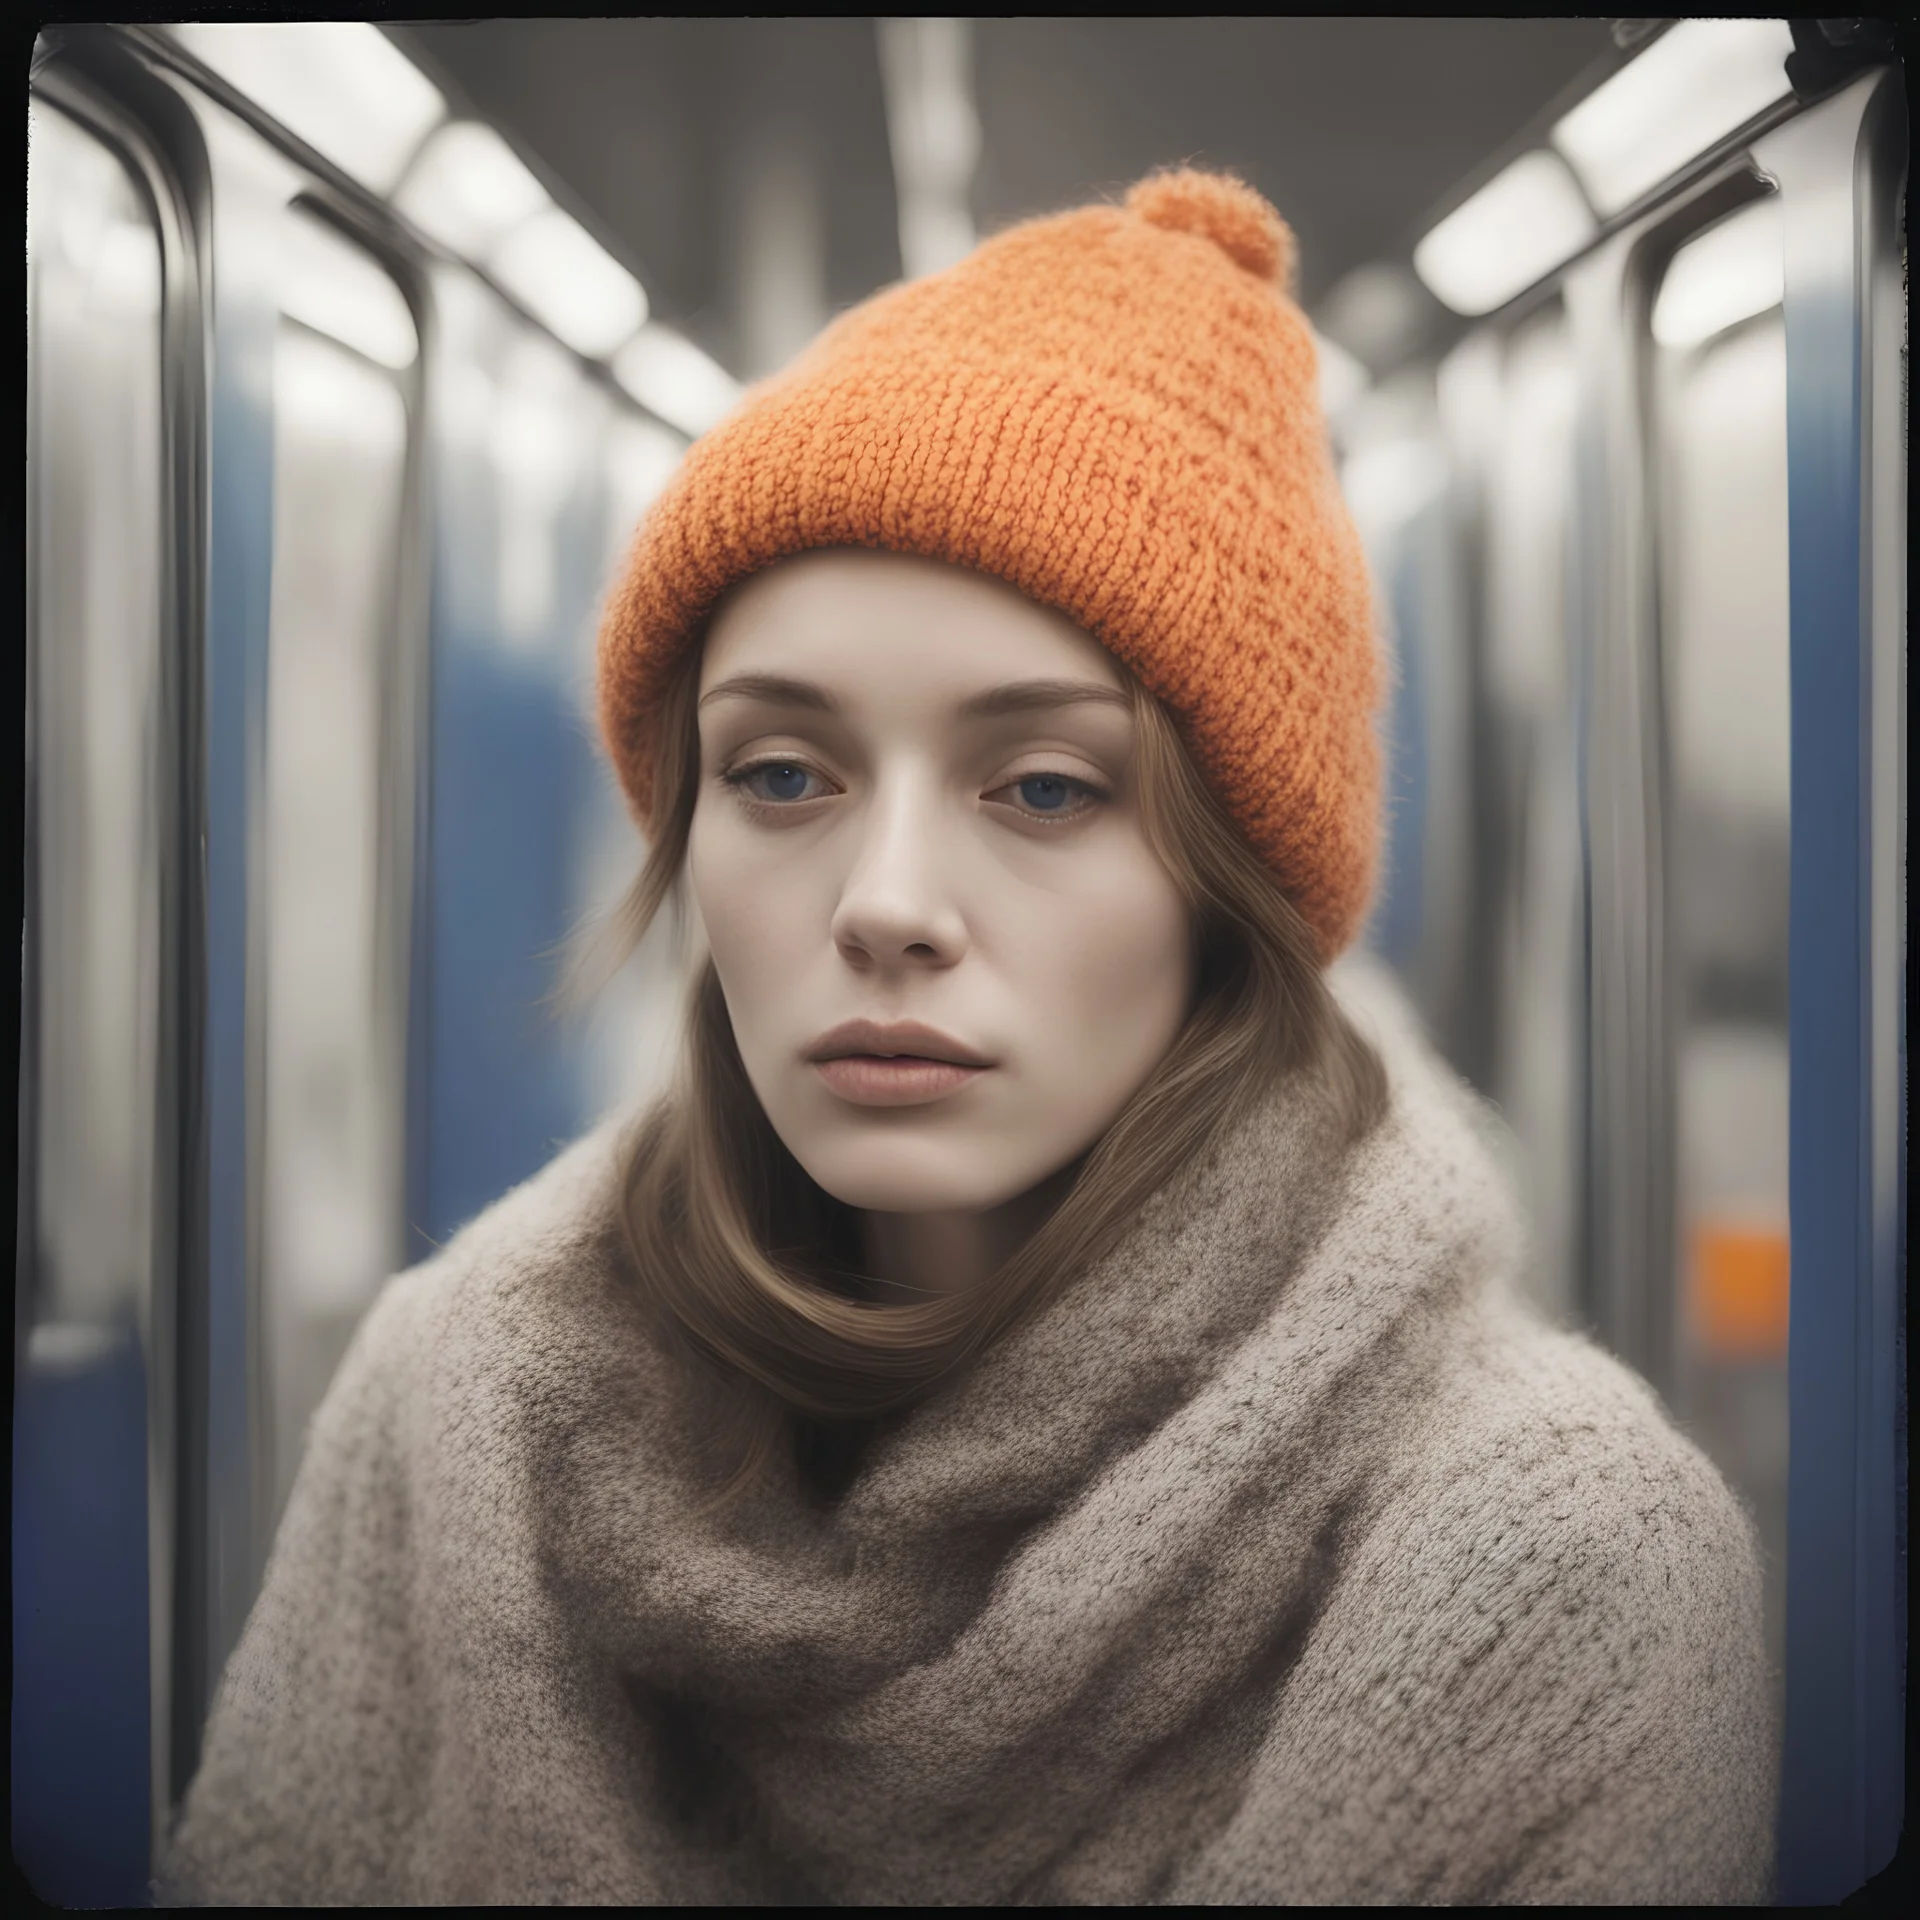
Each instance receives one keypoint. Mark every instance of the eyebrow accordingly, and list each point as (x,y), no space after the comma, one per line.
(1027,696)
(1017,696)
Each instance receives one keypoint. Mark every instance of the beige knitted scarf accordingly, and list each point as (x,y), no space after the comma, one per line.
(1283,1557)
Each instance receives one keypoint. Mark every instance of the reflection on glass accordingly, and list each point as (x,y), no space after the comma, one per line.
(540,439)
(334,871)
(632,1036)
(95,458)
(1732,272)
(335,288)
(1721,402)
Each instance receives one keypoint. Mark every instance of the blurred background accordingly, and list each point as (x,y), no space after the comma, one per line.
(356,353)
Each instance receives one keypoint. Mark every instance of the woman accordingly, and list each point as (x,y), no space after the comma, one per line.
(1042,1414)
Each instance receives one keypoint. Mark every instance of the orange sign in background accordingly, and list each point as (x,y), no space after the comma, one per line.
(1737,1289)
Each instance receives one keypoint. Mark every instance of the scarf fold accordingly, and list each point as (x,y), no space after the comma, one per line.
(1282,1556)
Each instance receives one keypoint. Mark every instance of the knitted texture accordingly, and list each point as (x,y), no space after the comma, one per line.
(1114,410)
(1283,1557)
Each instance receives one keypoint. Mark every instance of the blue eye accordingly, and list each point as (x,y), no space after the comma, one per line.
(774,780)
(1046,792)
(1051,796)
(784,783)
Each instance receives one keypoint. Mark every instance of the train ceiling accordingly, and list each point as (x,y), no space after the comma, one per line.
(703,148)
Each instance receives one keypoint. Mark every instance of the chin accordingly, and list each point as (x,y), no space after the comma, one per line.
(904,1175)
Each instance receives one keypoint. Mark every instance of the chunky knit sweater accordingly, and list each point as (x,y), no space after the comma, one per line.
(1284,1556)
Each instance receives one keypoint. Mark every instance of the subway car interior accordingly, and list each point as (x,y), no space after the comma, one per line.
(356,353)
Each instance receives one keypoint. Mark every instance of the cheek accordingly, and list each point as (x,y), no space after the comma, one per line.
(1108,975)
(746,907)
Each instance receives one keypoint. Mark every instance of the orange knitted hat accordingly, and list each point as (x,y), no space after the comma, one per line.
(1116,411)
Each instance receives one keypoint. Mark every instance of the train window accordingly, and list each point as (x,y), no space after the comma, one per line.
(95,453)
(541,442)
(520,560)
(1528,855)
(97,754)
(337,774)
(1720,400)
(1395,474)
(634,1026)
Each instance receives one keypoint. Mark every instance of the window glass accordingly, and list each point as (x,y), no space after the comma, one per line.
(87,1571)
(632,1037)
(337,764)
(1721,405)
(540,474)
(95,456)
(1395,474)
(1529,835)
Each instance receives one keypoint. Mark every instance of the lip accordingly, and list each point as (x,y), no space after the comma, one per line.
(893,1064)
(893,1039)
(867,1080)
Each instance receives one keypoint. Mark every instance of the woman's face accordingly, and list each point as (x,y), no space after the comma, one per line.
(948,951)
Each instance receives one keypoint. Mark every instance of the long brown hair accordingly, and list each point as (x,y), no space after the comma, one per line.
(754,1269)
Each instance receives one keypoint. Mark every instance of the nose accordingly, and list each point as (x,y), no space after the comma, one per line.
(897,907)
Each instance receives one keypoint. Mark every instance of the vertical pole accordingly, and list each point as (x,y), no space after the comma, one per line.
(1628,1231)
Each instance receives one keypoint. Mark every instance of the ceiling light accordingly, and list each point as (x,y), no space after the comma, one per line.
(564,277)
(331,285)
(468,187)
(1342,378)
(671,377)
(1521,225)
(1693,86)
(341,85)
(1729,274)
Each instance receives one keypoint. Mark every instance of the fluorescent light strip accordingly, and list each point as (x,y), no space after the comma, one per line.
(562,275)
(347,91)
(468,188)
(1521,225)
(341,85)
(1692,87)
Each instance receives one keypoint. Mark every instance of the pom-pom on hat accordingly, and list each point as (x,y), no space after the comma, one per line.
(1116,411)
